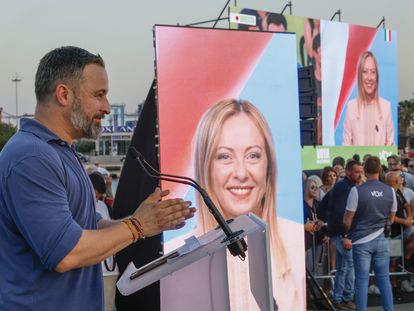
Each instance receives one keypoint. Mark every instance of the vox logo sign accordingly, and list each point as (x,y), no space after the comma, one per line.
(377,194)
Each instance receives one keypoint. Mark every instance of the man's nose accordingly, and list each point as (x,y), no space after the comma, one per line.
(106,107)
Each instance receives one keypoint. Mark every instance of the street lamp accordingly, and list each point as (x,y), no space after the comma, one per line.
(16,79)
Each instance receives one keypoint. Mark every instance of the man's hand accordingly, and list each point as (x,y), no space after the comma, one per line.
(325,239)
(310,226)
(347,243)
(157,216)
(318,224)
(408,222)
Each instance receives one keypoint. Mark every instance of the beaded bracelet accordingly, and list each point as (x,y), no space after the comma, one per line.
(137,224)
(131,227)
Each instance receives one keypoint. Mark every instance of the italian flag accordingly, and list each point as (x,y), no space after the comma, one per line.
(387,35)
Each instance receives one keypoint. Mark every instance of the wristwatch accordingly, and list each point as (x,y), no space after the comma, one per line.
(346,236)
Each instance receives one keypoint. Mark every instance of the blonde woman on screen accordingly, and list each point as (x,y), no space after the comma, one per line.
(368,120)
(235,162)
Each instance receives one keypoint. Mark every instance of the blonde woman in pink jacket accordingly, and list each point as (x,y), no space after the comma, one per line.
(368,120)
(235,162)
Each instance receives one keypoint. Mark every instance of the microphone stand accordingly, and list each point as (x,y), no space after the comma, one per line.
(237,245)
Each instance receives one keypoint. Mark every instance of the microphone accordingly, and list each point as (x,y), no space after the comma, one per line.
(237,246)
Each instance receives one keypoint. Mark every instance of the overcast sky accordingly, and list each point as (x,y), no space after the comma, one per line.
(121,31)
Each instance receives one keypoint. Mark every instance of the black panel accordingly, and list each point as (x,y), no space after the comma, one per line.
(134,187)
(308,130)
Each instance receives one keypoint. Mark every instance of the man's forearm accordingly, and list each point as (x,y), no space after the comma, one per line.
(151,218)
(96,245)
(348,218)
(392,217)
(106,223)
(401,221)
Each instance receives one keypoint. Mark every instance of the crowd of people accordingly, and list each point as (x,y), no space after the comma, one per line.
(358,206)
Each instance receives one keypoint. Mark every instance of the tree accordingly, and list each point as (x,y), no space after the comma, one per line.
(85,146)
(405,118)
(6,131)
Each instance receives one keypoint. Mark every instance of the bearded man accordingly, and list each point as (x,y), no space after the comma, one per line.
(51,239)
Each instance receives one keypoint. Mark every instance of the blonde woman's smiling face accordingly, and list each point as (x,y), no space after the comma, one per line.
(369,76)
(238,167)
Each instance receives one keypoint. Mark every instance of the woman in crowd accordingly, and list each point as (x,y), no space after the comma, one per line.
(315,237)
(329,179)
(310,208)
(235,162)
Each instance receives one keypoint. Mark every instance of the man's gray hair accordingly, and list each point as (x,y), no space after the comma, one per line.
(62,65)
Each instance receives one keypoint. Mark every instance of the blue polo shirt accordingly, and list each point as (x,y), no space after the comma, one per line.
(46,200)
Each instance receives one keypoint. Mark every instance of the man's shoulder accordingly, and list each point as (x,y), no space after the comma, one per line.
(408,191)
(25,143)
(409,180)
(343,185)
(408,194)
(373,187)
(373,183)
(22,147)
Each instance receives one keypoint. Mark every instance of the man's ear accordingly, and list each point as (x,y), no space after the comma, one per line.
(64,95)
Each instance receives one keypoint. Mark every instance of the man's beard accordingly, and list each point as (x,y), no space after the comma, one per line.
(80,121)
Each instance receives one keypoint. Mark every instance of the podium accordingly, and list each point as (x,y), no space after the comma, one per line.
(194,276)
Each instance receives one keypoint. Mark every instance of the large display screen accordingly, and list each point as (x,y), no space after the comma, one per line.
(359,61)
(355,70)
(228,117)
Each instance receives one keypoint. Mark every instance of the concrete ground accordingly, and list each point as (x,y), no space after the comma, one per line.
(398,307)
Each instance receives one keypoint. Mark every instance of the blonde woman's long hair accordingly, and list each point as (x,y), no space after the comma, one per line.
(206,141)
(362,96)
